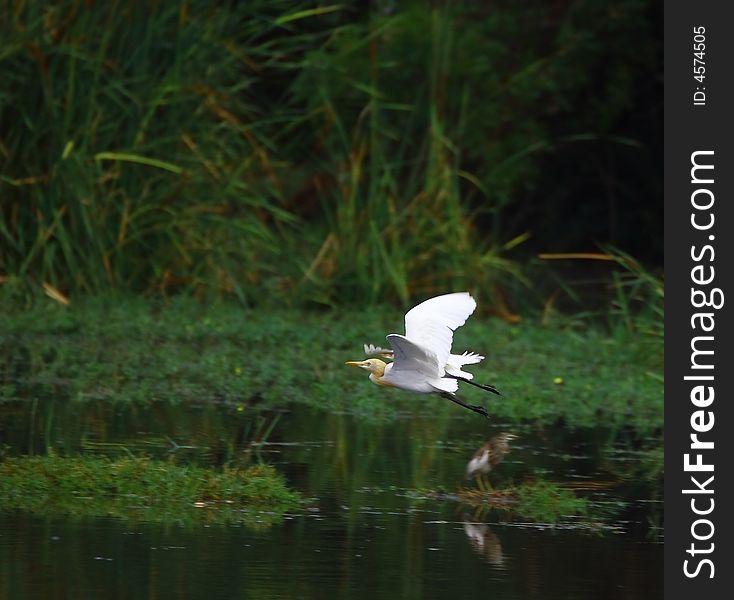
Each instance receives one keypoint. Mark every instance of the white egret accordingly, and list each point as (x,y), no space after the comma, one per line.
(422,359)
(468,358)
(489,456)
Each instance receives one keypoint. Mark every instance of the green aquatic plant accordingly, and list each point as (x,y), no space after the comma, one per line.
(133,350)
(538,501)
(546,501)
(144,489)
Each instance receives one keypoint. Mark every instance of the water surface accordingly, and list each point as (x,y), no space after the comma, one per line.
(373,525)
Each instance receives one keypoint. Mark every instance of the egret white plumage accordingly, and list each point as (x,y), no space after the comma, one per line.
(468,358)
(422,359)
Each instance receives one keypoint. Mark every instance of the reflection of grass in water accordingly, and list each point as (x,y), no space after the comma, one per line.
(134,350)
(142,489)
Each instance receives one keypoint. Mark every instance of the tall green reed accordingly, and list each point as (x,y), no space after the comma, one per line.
(273,149)
(396,220)
(135,155)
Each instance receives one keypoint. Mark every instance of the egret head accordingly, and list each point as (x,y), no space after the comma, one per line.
(373,365)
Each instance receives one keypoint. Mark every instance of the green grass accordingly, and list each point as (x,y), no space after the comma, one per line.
(547,502)
(538,501)
(270,149)
(133,350)
(142,489)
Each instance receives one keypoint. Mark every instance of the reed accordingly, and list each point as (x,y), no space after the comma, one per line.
(320,155)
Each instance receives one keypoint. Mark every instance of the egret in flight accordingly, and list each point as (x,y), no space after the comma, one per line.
(422,359)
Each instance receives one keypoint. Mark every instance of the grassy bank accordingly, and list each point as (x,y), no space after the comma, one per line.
(132,350)
(141,489)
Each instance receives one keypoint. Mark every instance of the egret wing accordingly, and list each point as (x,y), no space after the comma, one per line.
(409,356)
(431,324)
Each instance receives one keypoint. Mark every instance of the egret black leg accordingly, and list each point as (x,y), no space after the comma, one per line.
(481,386)
(473,407)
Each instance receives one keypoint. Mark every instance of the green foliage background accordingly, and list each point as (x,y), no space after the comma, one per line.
(324,153)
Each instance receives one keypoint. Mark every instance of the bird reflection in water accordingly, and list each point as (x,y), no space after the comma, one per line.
(487,458)
(484,541)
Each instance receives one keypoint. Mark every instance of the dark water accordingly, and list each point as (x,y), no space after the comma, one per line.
(372,529)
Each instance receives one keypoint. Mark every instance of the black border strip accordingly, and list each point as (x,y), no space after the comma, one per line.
(689,128)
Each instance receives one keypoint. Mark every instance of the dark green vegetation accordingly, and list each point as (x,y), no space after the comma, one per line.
(544,501)
(134,351)
(147,490)
(537,501)
(347,153)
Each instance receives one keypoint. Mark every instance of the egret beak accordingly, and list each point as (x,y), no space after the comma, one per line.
(356,363)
